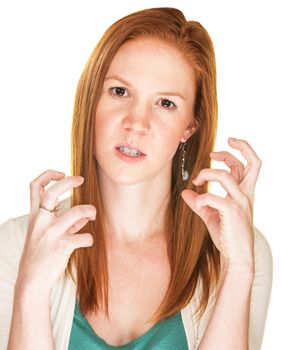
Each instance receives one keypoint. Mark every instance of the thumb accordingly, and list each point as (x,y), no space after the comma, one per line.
(189,197)
(209,215)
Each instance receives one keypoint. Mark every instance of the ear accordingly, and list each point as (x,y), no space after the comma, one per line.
(189,131)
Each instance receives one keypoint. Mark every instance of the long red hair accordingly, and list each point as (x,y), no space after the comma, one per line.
(192,254)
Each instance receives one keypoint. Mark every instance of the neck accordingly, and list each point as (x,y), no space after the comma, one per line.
(136,212)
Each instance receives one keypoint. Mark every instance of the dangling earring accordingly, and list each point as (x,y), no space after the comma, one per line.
(185,174)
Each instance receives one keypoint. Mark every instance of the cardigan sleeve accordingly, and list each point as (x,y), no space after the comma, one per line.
(261,291)
(12,237)
(260,296)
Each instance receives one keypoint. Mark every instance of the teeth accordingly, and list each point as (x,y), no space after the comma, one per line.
(130,151)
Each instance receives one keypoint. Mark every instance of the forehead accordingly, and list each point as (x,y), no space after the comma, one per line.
(154,61)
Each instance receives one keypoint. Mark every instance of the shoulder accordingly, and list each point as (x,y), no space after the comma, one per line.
(12,234)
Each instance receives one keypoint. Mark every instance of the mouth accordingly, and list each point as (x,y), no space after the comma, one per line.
(129,154)
(129,150)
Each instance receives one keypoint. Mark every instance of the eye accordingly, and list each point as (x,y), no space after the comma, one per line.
(118,91)
(167,103)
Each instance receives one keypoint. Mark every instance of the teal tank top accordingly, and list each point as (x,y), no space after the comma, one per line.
(167,334)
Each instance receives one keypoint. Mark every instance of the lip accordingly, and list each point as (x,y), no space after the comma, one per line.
(130,145)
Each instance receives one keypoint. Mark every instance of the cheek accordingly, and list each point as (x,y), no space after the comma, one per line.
(167,142)
(104,117)
(108,112)
(100,114)
(100,124)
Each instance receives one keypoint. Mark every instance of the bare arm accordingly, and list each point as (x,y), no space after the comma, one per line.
(31,324)
(228,325)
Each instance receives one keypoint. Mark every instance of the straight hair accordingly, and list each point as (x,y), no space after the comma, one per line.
(192,255)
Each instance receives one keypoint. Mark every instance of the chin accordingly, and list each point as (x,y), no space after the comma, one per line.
(121,176)
(126,179)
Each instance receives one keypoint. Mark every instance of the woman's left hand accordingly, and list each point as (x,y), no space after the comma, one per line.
(229,220)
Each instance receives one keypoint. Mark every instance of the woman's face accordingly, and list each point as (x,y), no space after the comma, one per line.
(144,112)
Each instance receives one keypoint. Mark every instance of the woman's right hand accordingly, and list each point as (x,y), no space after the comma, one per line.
(51,239)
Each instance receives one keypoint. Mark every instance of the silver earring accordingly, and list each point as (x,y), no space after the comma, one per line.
(185,174)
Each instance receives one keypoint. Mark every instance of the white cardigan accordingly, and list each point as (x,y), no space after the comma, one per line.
(12,237)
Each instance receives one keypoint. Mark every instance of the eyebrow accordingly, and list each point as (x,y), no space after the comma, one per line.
(116,77)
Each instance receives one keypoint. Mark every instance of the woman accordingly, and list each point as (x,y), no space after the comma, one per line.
(142,257)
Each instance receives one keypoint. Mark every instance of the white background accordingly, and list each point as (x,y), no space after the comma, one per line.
(44,46)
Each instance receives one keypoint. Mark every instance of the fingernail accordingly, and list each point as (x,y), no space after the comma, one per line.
(81,178)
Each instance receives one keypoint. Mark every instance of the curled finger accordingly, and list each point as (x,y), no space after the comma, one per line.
(235,165)
(73,218)
(50,196)
(224,178)
(211,200)
(37,187)
(253,161)
(77,226)
(80,240)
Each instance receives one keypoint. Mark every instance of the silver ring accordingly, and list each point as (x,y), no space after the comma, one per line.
(49,211)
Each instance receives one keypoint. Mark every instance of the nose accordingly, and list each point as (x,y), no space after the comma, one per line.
(137,119)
